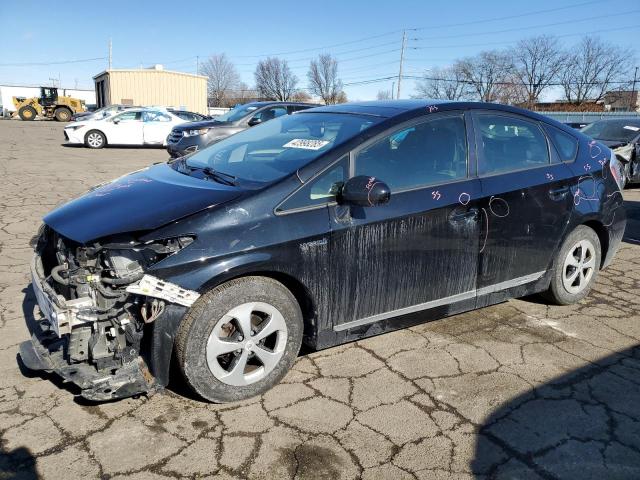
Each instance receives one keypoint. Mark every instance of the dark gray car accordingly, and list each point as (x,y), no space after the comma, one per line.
(622,135)
(189,137)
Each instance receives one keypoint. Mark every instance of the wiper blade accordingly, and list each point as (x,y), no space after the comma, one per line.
(220,177)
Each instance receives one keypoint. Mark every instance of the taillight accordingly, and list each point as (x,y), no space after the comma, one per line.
(616,170)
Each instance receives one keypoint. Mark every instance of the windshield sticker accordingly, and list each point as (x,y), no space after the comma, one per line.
(630,127)
(306,144)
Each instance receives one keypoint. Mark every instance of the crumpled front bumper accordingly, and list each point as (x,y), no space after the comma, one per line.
(48,348)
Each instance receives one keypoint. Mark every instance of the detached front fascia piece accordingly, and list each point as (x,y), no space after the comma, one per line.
(154,287)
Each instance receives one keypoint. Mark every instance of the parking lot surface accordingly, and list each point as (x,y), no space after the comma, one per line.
(517,390)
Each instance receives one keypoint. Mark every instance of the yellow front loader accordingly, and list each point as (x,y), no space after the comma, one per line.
(49,105)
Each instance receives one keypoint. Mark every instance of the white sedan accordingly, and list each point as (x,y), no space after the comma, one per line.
(137,126)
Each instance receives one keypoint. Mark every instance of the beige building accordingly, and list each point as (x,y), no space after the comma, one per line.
(152,86)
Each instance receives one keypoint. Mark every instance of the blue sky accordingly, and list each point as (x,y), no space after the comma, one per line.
(364,35)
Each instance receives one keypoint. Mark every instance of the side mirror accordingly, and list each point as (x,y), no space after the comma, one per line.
(255,121)
(116,121)
(365,192)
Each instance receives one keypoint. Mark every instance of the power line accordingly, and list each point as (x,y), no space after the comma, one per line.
(575,20)
(61,62)
(503,42)
(508,17)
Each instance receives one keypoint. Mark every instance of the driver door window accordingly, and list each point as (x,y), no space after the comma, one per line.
(269,113)
(428,153)
(129,117)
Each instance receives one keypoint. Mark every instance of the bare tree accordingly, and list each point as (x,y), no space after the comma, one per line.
(323,79)
(300,96)
(384,95)
(593,67)
(537,62)
(274,79)
(222,78)
(443,84)
(484,73)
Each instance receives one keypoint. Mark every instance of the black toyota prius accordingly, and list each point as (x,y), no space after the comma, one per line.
(330,225)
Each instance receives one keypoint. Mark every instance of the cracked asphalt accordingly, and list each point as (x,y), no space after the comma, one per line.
(517,390)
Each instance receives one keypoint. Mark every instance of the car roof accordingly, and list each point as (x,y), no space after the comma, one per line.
(392,108)
(274,102)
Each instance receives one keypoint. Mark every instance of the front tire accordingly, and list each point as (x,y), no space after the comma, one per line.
(95,139)
(240,339)
(575,268)
(27,113)
(62,114)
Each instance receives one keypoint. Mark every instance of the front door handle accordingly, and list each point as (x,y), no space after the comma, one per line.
(559,193)
(457,216)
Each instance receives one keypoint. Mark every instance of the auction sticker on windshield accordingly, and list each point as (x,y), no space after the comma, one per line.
(628,127)
(306,144)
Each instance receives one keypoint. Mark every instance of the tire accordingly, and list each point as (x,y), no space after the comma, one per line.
(95,139)
(576,267)
(62,114)
(27,113)
(214,325)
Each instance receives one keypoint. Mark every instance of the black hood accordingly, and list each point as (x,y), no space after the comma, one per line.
(203,124)
(142,200)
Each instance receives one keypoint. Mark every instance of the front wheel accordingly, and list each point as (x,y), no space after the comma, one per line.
(239,339)
(575,267)
(95,139)
(27,113)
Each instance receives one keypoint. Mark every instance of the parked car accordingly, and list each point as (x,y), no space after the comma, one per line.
(135,126)
(188,138)
(100,113)
(322,227)
(577,125)
(622,135)
(189,116)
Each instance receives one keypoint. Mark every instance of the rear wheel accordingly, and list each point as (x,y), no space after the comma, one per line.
(239,339)
(27,113)
(62,114)
(95,139)
(575,267)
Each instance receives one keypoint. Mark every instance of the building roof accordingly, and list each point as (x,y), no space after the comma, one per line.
(154,70)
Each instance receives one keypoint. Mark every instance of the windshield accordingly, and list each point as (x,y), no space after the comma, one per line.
(280,146)
(236,113)
(616,130)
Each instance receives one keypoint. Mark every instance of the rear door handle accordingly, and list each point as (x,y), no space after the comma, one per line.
(457,217)
(559,193)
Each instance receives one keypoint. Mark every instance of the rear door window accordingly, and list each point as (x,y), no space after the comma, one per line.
(566,145)
(509,143)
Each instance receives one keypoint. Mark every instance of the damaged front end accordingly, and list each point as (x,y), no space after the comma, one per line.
(104,319)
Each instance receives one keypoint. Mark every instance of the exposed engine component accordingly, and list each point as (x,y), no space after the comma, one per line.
(98,300)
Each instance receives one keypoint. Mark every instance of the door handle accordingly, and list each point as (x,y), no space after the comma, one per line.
(559,193)
(457,217)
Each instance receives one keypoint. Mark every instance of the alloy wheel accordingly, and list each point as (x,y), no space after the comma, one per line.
(579,266)
(94,140)
(246,344)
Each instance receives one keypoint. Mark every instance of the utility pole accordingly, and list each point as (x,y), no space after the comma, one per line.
(197,65)
(633,92)
(393,87)
(110,53)
(404,41)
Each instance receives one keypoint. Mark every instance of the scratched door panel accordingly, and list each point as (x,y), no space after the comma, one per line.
(421,246)
(524,213)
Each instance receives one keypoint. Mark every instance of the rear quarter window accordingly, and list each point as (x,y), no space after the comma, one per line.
(565,144)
